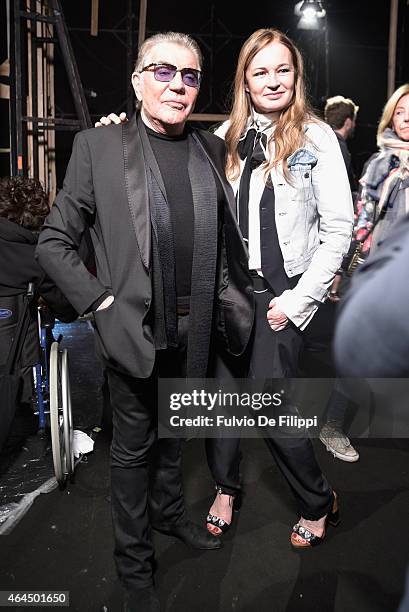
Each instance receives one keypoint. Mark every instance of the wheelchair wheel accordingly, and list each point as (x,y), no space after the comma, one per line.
(60,414)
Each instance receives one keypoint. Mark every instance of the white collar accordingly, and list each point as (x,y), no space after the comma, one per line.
(262,121)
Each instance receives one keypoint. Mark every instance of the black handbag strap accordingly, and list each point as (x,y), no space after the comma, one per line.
(21,332)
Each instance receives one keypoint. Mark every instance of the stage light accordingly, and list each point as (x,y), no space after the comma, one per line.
(310,13)
(312,8)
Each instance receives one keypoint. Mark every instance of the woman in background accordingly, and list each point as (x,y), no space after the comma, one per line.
(384,199)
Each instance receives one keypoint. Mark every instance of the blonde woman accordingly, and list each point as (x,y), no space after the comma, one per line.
(385,194)
(295,212)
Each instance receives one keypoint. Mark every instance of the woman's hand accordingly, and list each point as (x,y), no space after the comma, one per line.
(276,317)
(112,118)
(333,295)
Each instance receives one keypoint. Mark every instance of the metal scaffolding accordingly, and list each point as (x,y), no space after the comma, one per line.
(132,29)
(36,27)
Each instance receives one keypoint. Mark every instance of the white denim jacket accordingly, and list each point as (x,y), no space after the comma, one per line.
(313,214)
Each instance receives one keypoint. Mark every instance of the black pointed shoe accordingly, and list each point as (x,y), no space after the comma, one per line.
(191,534)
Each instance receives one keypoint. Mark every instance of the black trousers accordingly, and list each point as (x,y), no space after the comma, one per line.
(146,481)
(223,454)
(276,355)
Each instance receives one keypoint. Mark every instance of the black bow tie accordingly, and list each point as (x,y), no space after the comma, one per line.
(251,145)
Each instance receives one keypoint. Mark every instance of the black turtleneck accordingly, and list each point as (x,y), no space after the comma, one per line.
(171,153)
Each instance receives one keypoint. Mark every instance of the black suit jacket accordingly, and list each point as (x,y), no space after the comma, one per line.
(105,189)
(353,183)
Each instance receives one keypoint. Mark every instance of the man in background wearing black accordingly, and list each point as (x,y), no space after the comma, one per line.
(340,113)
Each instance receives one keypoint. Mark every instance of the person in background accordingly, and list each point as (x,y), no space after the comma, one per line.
(383,204)
(384,200)
(340,113)
(23,209)
(374,313)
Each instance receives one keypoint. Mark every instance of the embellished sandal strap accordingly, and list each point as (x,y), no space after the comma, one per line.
(307,535)
(217,522)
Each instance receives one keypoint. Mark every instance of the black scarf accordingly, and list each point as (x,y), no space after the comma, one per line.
(204,194)
(251,150)
(163,266)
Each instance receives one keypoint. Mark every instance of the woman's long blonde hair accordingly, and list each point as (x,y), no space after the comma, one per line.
(289,131)
(389,109)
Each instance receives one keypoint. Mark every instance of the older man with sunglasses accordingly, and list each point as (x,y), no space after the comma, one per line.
(153,194)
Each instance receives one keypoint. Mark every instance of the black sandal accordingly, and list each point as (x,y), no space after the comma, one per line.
(212,519)
(310,538)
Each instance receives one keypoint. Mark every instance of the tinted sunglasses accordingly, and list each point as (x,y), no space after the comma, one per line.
(166,72)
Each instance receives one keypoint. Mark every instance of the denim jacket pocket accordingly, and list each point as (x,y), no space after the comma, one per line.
(300,165)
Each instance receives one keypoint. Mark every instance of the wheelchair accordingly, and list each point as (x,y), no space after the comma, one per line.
(52,396)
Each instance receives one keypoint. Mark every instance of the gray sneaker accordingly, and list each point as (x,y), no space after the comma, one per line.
(338,444)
